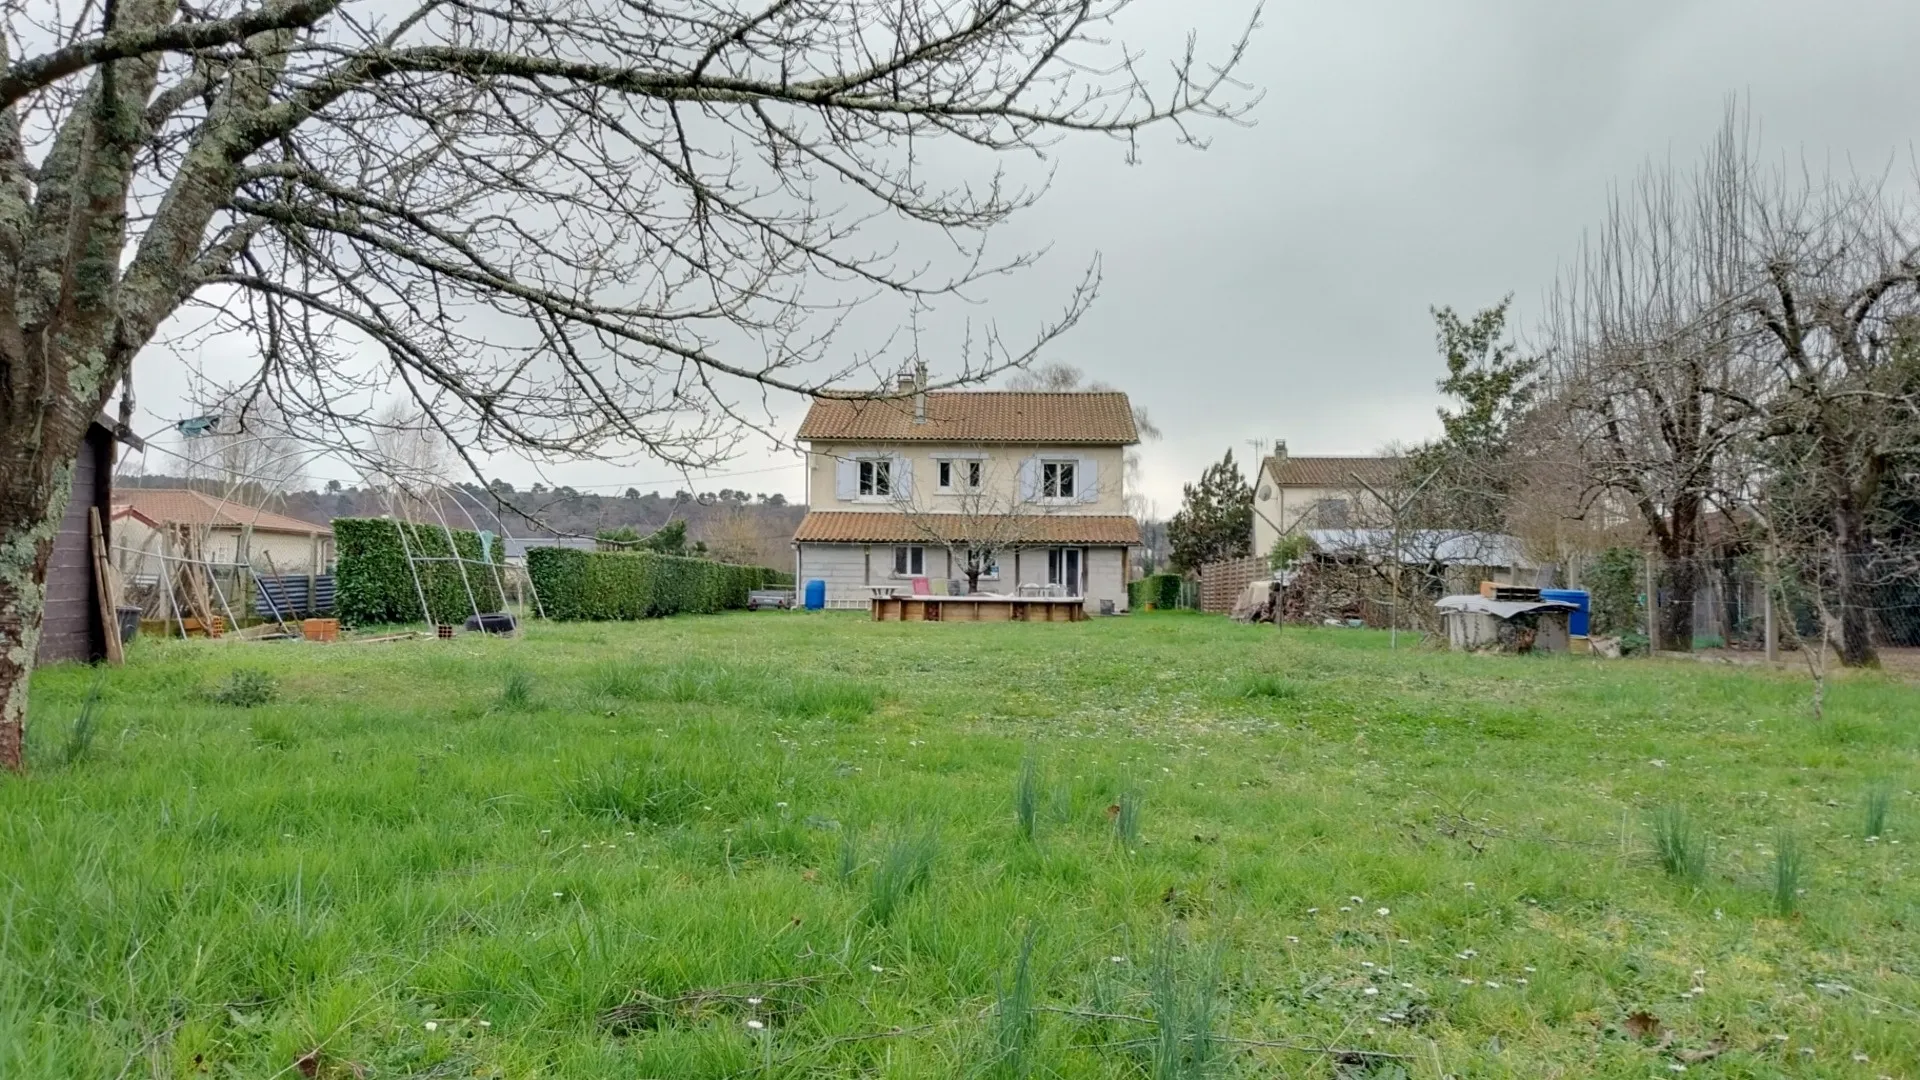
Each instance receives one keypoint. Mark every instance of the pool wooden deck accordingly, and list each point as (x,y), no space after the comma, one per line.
(979,609)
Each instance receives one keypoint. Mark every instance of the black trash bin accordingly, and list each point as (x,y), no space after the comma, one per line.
(129,623)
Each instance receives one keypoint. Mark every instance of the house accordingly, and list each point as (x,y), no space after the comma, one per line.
(74,626)
(154,524)
(989,490)
(1295,493)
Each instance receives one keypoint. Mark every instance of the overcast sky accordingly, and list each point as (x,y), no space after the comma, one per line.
(1407,153)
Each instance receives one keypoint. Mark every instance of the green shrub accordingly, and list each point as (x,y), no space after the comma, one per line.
(375,585)
(1160,590)
(1616,582)
(245,688)
(595,585)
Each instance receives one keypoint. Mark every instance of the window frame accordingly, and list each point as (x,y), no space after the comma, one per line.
(904,556)
(970,472)
(1065,479)
(873,478)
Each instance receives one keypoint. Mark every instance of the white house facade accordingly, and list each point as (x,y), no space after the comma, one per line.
(1295,494)
(951,491)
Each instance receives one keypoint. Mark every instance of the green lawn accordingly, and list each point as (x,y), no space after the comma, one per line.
(796,846)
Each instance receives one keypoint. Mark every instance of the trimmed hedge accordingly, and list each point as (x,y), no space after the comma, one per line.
(596,585)
(374,586)
(1160,590)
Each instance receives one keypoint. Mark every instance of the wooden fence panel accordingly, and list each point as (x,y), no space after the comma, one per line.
(1221,583)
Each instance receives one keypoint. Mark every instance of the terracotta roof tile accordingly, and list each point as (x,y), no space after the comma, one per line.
(868,527)
(987,416)
(182,507)
(1330,472)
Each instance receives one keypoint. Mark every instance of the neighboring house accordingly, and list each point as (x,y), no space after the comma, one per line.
(72,626)
(175,522)
(1029,486)
(1295,493)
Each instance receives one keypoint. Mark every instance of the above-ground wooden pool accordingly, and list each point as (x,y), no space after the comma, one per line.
(979,609)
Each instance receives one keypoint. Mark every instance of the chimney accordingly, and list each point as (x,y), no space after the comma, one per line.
(920,392)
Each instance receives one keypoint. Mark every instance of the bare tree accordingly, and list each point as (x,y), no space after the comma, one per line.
(564,227)
(980,519)
(1833,313)
(247,447)
(1644,356)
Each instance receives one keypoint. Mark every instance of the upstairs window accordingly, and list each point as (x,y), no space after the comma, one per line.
(1057,480)
(960,475)
(876,477)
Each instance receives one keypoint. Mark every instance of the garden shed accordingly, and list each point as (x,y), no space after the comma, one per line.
(1480,624)
(76,620)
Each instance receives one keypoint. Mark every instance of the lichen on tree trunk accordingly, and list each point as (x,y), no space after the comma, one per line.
(33,497)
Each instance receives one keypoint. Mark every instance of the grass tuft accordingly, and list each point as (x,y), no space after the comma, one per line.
(245,688)
(273,732)
(1879,803)
(1268,686)
(1678,845)
(821,699)
(1125,812)
(849,856)
(1026,796)
(654,794)
(516,694)
(1184,1046)
(1789,873)
(904,867)
(79,741)
(1014,1018)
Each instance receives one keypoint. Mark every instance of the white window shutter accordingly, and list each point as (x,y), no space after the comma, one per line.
(846,479)
(902,477)
(1088,480)
(1030,479)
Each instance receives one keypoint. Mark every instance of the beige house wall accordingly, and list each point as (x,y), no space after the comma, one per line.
(1000,481)
(137,550)
(850,569)
(1278,511)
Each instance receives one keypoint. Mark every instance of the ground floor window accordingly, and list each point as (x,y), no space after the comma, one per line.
(909,560)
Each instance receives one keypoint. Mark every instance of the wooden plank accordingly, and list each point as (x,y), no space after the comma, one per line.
(109,618)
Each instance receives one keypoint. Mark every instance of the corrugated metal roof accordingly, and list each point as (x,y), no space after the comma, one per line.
(516,546)
(179,506)
(1503,609)
(978,416)
(1330,472)
(855,527)
(1421,546)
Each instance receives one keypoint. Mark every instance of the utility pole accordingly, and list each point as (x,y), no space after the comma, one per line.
(1766,605)
(1653,610)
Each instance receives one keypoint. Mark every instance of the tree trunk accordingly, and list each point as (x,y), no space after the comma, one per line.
(36,481)
(973,580)
(1680,550)
(1851,591)
(1676,620)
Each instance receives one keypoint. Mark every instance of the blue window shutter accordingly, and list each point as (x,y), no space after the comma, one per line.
(846,479)
(1089,480)
(1030,479)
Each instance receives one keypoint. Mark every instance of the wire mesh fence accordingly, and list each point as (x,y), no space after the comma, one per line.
(1738,602)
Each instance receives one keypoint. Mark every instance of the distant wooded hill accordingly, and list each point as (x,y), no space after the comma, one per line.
(738,526)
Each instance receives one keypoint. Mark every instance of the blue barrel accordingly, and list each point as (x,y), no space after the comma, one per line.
(1579,621)
(816,594)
